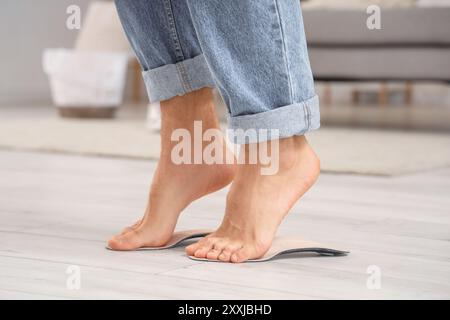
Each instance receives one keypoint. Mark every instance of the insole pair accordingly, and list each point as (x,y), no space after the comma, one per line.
(280,246)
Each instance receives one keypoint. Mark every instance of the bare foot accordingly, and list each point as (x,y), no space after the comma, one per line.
(175,186)
(132,227)
(256,204)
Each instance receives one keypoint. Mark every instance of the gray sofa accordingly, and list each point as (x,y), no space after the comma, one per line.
(413,44)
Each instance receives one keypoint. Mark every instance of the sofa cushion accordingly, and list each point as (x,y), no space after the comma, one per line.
(433,3)
(400,26)
(345,4)
(408,63)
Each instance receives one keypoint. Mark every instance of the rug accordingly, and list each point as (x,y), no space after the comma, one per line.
(342,150)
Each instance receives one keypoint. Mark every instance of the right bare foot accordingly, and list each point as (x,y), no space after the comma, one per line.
(175,186)
(256,204)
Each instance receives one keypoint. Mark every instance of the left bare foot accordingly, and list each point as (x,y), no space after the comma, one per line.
(175,186)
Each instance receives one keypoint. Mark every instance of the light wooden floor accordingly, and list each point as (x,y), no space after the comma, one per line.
(57,211)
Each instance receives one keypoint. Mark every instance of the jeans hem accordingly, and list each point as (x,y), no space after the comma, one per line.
(283,122)
(177,79)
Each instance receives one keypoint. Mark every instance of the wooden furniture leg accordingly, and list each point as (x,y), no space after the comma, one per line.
(355,96)
(408,92)
(327,94)
(137,78)
(383,95)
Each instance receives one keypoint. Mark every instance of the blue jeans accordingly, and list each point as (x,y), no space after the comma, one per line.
(253,51)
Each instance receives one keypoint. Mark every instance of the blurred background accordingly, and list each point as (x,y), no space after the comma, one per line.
(70,83)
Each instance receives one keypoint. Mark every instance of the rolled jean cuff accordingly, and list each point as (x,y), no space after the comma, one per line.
(283,122)
(177,79)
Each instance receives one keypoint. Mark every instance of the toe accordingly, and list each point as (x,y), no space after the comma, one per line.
(128,241)
(205,246)
(190,249)
(228,251)
(216,249)
(241,255)
(115,242)
(213,254)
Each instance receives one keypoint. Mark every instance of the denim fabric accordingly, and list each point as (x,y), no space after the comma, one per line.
(253,51)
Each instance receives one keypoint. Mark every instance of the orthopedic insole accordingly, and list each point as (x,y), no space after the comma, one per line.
(285,245)
(177,238)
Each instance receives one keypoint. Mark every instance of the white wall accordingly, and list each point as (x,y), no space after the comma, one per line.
(26,28)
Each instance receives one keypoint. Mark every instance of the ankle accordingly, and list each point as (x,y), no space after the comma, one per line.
(182,111)
(294,149)
(187,112)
